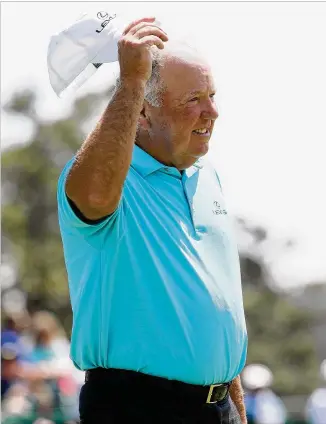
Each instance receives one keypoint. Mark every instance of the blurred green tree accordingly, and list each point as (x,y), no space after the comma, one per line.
(279,334)
(279,337)
(29,210)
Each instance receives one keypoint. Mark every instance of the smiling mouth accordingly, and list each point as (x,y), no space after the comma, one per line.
(202,132)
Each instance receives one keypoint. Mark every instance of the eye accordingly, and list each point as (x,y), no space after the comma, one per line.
(194,99)
(212,95)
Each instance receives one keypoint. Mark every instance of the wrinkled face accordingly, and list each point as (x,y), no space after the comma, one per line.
(185,121)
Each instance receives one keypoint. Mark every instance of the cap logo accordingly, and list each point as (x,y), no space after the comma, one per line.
(107,17)
(102,15)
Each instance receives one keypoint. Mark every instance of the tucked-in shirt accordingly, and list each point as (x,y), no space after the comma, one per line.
(155,287)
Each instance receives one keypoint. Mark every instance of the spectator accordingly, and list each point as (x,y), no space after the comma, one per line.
(14,348)
(262,404)
(51,354)
(40,383)
(14,390)
(316,404)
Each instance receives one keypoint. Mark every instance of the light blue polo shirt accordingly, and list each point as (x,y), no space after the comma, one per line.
(156,286)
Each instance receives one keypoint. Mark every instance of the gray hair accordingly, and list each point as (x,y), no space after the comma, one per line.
(155,87)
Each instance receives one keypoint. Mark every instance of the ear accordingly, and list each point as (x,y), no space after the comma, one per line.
(144,121)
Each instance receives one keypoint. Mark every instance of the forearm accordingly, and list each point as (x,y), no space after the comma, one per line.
(236,393)
(102,163)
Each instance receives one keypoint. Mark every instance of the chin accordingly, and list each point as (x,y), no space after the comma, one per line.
(202,150)
(192,158)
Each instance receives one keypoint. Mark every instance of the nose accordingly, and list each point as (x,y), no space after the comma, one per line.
(210,110)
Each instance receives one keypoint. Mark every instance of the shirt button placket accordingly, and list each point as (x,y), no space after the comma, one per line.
(191,206)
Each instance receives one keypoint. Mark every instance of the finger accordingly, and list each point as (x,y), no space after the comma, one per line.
(152,40)
(137,27)
(137,21)
(150,30)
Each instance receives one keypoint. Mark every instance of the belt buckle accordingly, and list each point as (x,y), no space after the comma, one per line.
(210,393)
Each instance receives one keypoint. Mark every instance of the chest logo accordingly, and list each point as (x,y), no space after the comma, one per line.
(217,209)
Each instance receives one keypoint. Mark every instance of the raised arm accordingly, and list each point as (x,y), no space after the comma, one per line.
(96,179)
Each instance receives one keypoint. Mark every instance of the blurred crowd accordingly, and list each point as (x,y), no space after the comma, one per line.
(264,406)
(40,385)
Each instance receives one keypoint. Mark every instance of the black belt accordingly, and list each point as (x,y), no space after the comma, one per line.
(137,381)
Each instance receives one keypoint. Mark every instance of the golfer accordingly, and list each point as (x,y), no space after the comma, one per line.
(153,267)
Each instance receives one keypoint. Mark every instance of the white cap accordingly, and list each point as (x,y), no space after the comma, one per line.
(75,53)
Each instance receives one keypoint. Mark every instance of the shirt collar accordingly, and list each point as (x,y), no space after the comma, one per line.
(145,164)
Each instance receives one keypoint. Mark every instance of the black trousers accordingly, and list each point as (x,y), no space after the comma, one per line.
(117,402)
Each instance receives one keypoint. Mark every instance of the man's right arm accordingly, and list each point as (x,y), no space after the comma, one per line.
(96,179)
(97,176)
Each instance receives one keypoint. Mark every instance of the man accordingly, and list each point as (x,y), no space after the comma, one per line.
(153,267)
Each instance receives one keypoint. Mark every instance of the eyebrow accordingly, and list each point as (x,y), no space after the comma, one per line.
(192,93)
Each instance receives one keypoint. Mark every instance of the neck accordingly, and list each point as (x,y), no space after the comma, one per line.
(157,150)
(161,151)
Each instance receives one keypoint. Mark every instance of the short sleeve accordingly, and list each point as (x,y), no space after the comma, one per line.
(68,219)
